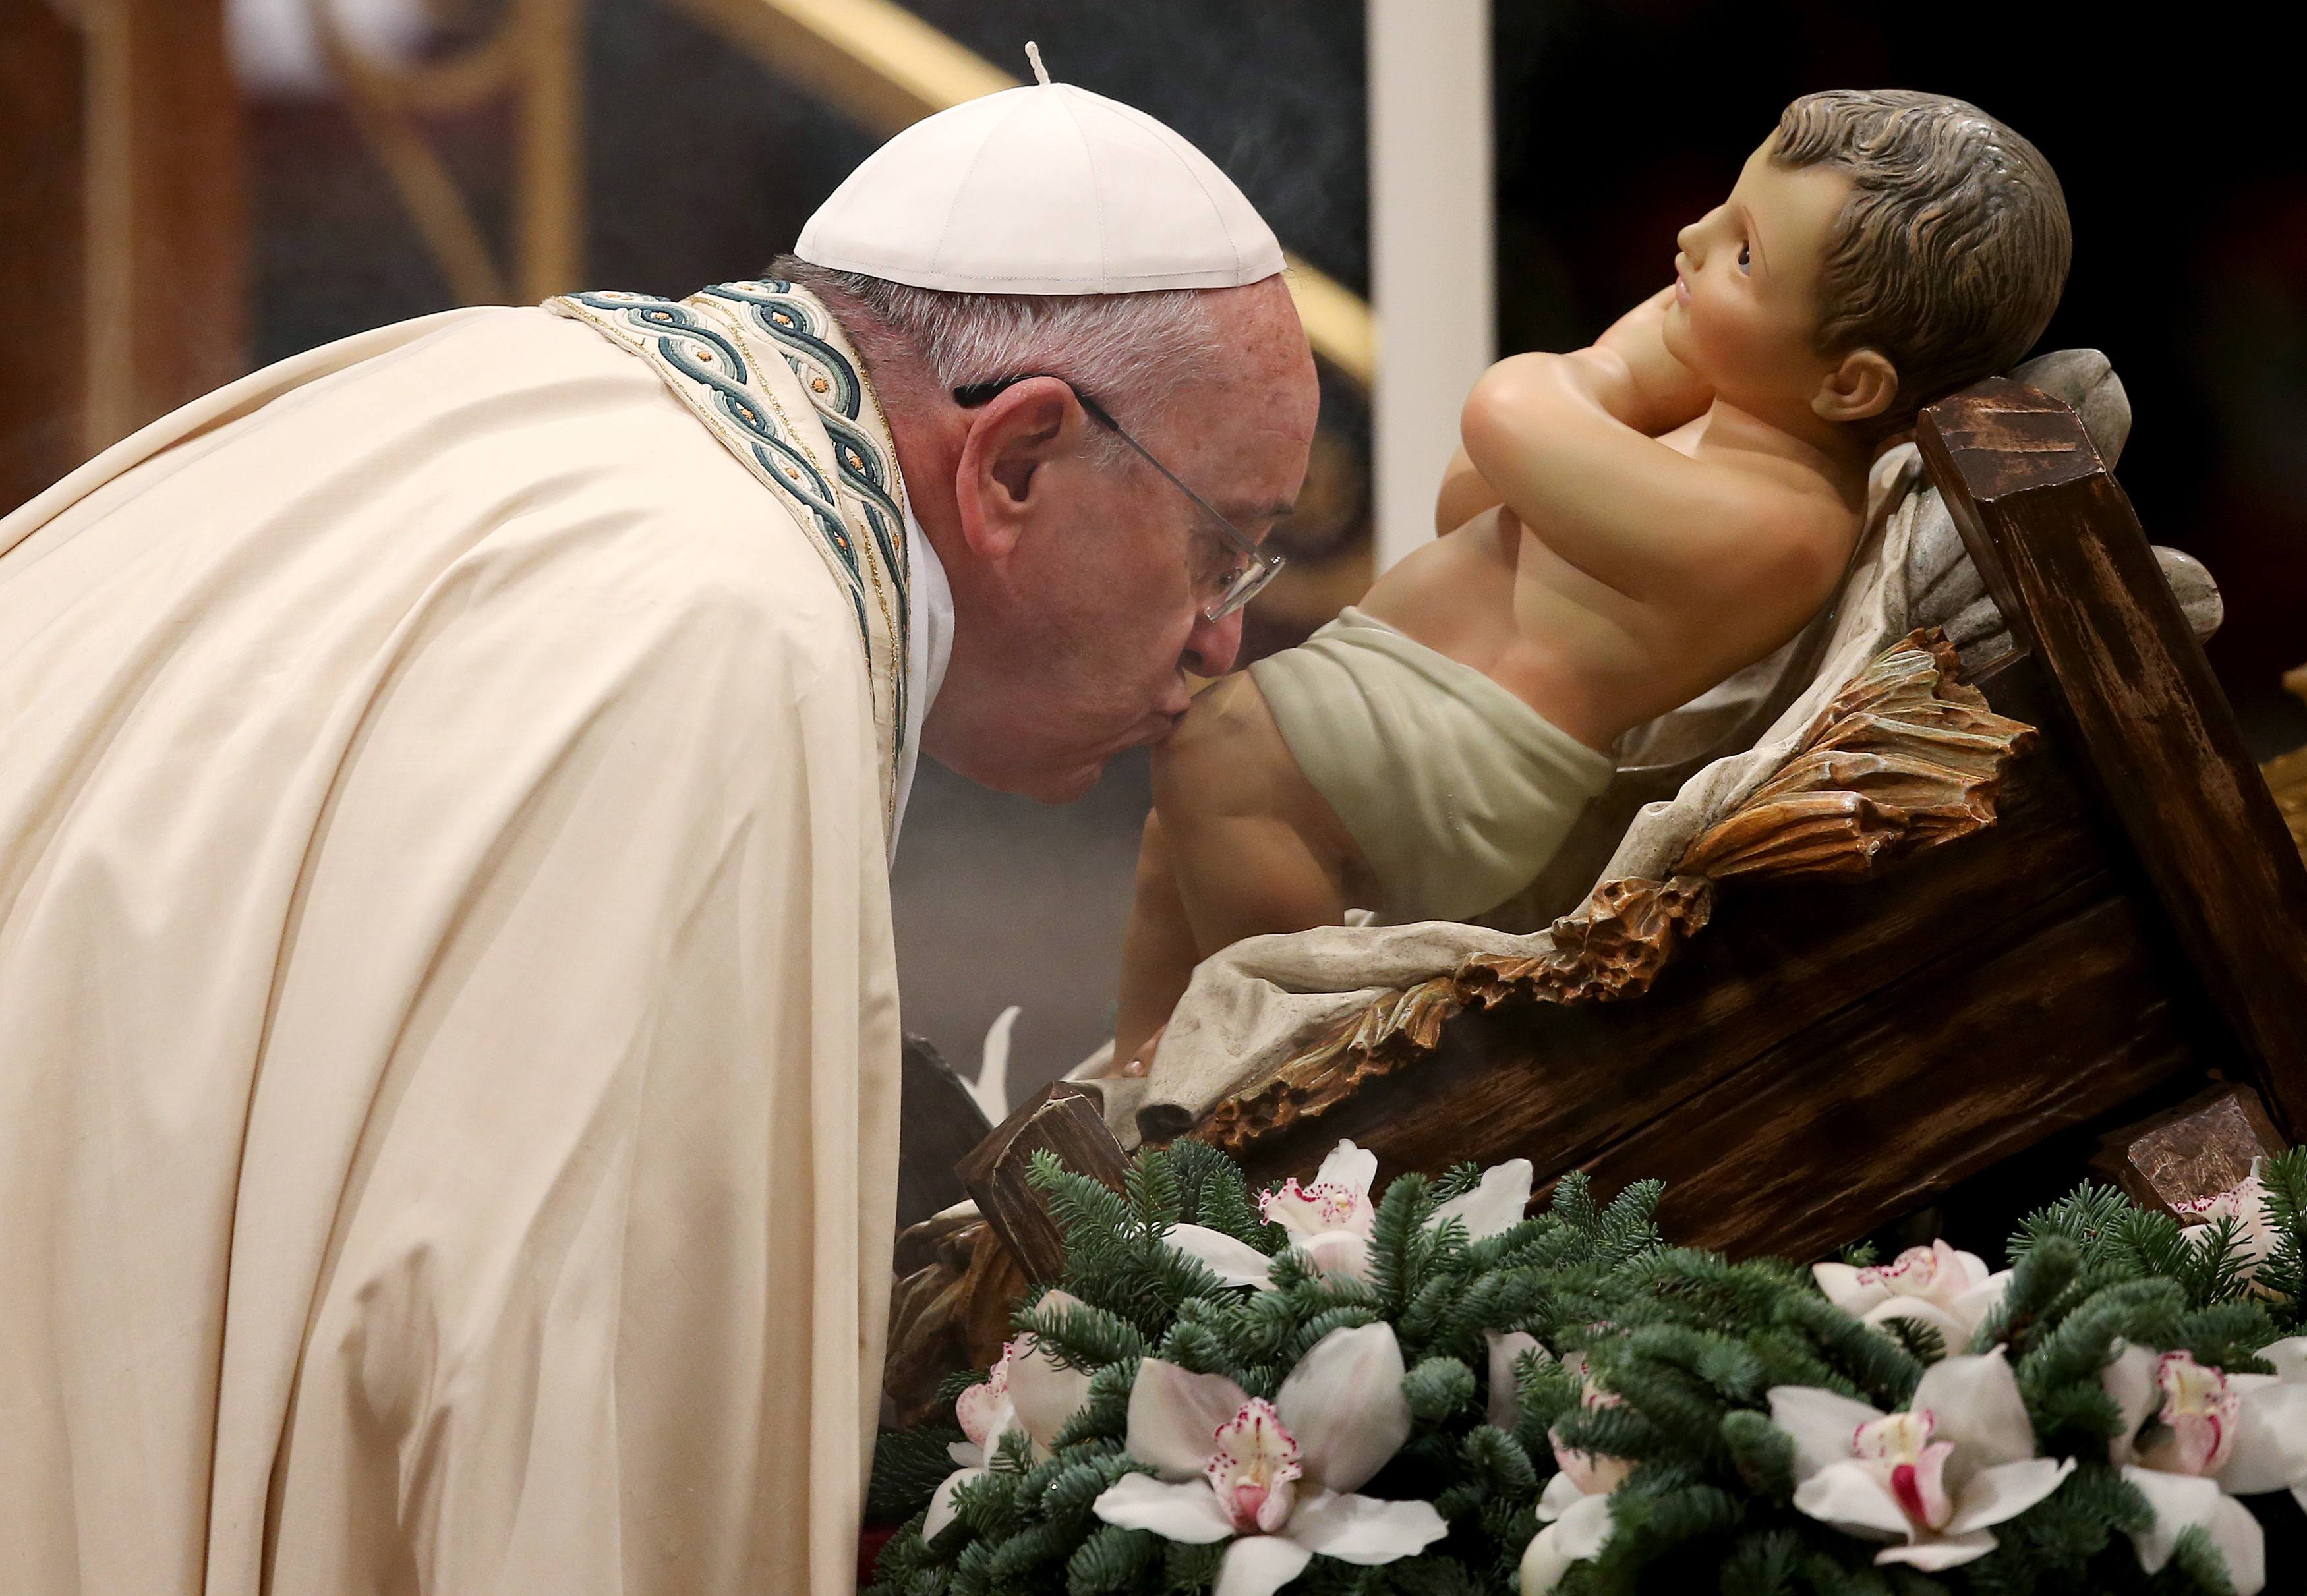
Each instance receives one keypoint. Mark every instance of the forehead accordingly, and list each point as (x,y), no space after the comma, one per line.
(1794,208)
(1245,433)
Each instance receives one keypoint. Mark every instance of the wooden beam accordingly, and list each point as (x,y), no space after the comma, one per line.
(41,246)
(2061,551)
(939,1124)
(1061,1118)
(2199,1150)
(166,309)
(881,65)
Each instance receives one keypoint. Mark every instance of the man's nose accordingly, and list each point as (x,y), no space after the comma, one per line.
(1211,646)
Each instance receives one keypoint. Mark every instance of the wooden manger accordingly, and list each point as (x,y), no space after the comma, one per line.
(1831,1019)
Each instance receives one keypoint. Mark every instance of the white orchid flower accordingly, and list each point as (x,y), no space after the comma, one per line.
(1027,1391)
(1935,1286)
(2194,1436)
(1575,1506)
(2246,1203)
(1331,1221)
(1276,1478)
(1506,1350)
(1936,1477)
(1496,1204)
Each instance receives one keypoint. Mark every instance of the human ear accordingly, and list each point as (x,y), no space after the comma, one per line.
(1010,437)
(1862,384)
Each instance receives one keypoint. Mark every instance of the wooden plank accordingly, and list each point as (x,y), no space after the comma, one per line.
(40,402)
(939,1124)
(2062,553)
(1064,1119)
(166,306)
(1954,1068)
(1558,1085)
(2203,1147)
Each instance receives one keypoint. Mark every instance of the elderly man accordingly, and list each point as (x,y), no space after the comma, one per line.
(448,1023)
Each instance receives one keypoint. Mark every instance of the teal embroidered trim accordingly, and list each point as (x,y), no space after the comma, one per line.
(698,346)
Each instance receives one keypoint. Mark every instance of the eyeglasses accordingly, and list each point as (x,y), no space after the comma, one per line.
(1229,590)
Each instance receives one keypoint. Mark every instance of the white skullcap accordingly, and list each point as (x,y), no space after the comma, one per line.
(1047,189)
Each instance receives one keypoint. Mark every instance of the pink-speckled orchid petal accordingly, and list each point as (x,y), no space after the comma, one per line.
(1344,1404)
(1846,1289)
(1174,1417)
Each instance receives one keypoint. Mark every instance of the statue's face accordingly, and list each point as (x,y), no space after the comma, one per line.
(1077,639)
(1746,314)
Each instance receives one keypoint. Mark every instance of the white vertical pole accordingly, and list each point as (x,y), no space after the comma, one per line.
(1432,252)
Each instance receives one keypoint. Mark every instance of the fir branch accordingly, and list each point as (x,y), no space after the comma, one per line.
(1436,1388)
(1112,1560)
(2282,1276)
(908,1467)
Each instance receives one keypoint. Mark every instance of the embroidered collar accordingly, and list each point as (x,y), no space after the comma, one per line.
(800,414)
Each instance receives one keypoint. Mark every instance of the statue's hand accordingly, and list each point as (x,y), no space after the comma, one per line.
(1141,1062)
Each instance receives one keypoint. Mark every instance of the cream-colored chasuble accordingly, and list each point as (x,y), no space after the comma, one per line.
(448,1018)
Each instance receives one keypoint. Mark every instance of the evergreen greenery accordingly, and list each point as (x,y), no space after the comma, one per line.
(1689,1343)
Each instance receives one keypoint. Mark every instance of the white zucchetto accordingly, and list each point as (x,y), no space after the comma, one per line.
(1046,189)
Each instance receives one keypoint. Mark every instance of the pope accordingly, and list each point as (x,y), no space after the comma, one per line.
(448,1021)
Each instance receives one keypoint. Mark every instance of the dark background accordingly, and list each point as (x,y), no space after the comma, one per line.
(1616,124)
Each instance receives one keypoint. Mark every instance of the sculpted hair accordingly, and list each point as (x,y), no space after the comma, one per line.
(1949,256)
(1132,351)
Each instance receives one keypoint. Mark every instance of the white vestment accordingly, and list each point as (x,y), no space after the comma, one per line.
(447,1015)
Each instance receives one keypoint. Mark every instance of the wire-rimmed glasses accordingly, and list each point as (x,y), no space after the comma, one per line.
(1253,566)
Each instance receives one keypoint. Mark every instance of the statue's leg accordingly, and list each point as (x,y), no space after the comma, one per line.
(1158,954)
(1239,845)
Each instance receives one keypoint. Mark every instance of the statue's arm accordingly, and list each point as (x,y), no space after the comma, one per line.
(1661,393)
(1658,394)
(1464,495)
(1552,434)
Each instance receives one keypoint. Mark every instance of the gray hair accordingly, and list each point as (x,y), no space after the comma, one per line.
(1133,352)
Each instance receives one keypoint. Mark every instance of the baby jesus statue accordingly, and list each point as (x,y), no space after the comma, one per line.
(1625,526)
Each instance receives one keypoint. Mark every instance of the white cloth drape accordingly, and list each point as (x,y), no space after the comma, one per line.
(447,1019)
